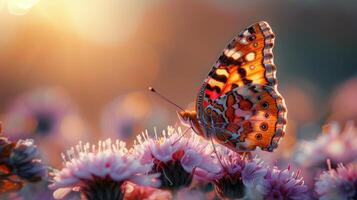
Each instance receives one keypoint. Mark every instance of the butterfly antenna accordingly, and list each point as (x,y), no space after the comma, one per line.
(181,136)
(164,98)
(215,151)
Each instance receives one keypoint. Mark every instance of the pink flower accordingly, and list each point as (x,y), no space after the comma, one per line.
(100,171)
(176,158)
(237,174)
(38,113)
(46,115)
(338,184)
(334,144)
(281,184)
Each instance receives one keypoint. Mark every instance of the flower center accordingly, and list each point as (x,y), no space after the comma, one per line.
(102,189)
(230,187)
(173,175)
(44,124)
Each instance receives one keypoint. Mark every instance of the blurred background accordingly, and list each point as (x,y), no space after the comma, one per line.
(79,69)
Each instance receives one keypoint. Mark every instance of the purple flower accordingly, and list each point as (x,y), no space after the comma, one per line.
(45,115)
(338,184)
(280,184)
(176,158)
(38,113)
(237,174)
(334,144)
(99,172)
(19,163)
(25,161)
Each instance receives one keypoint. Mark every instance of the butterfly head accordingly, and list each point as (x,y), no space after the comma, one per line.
(186,117)
(189,119)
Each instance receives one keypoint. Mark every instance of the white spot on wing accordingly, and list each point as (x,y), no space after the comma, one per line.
(229,53)
(243,41)
(250,56)
(246,33)
(237,55)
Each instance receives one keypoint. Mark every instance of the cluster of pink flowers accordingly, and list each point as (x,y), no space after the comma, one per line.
(175,164)
(339,146)
(169,165)
(166,166)
(244,176)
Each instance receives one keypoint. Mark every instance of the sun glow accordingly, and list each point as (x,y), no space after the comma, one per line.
(20,7)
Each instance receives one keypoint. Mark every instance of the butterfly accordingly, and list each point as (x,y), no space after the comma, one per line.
(238,104)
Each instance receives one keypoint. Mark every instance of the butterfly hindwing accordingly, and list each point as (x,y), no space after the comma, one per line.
(246,117)
(239,101)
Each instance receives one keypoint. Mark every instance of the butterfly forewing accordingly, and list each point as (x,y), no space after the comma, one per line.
(239,104)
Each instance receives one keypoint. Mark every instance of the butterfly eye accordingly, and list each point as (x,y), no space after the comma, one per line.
(258,136)
(263,126)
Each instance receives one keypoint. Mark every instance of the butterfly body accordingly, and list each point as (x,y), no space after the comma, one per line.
(238,104)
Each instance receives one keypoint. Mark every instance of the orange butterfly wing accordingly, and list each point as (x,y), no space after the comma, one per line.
(246,60)
(240,91)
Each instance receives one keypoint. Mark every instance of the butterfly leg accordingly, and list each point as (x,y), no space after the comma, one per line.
(213,124)
(215,151)
(181,136)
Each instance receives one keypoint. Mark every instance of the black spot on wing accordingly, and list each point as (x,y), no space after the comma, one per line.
(242,73)
(251,38)
(251,30)
(247,81)
(234,85)
(232,44)
(215,88)
(220,78)
(224,60)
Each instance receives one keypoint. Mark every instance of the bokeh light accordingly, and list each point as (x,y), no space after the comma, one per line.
(20,7)
(108,22)
(46,115)
(344,101)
